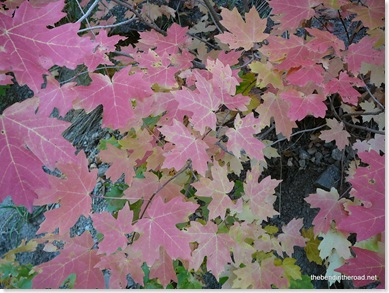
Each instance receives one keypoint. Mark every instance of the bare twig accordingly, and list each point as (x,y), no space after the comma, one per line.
(364,128)
(107,26)
(86,14)
(360,113)
(371,95)
(140,17)
(214,16)
(223,148)
(202,40)
(345,28)
(296,133)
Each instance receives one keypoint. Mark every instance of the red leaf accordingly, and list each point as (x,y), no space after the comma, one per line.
(114,95)
(323,41)
(292,236)
(163,269)
(242,33)
(27,142)
(331,209)
(114,230)
(344,86)
(242,137)
(369,186)
(301,105)
(159,229)
(277,108)
(217,189)
(35,48)
(78,258)
(363,51)
(291,13)
(216,247)
(73,194)
(186,147)
(365,264)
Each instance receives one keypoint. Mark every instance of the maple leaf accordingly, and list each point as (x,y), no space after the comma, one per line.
(262,276)
(33,138)
(175,39)
(366,263)
(372,13)
(215,246)
(323,40)
(159,68)
(291,270)
(186,147)
(120,162)
(336,133)
(344,86)
(73,194)
(267,74)
(279,48)
(312,246)
(78,258)
(56,96)
(242,137)
(35,48)
(159,229)
(301,105)
(120,264)
(201,103)
(291,236)
(305,74)
(242,33)
(332,241)
(102,45)
(217,189)
(291,13)
(275,107)
(260,196)
(114,95)
(331,209)
(363,51)
(163,269)
(114,230)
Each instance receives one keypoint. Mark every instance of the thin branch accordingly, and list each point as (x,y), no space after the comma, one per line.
(364,128)
(188,166)
(263,135)
(214,16)
(371,95)
(223,148)
(140,17)
(107,26)
(122,54)
(362,113)
(296,133)
(345,28)
(202,40)
(86,14)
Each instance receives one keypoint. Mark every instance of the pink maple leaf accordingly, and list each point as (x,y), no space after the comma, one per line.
(363,51)
(72,193)
(275,107)
(336,133)
(34,48)
(291,236)
(331,209)
(202,103)
(242,33)
(102,45)
(163,269)
(242,137)
(217,189)
(301,105)
(159,229)
(365,263)
(344,86)
(56,96)
(291,13)
(305,74)
(114,230)
(260,196)
(187,146)
(115,96)
(78,258)
(215,246)
(176,39)
(323,40)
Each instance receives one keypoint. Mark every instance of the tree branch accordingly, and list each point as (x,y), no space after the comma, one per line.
(140,17)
